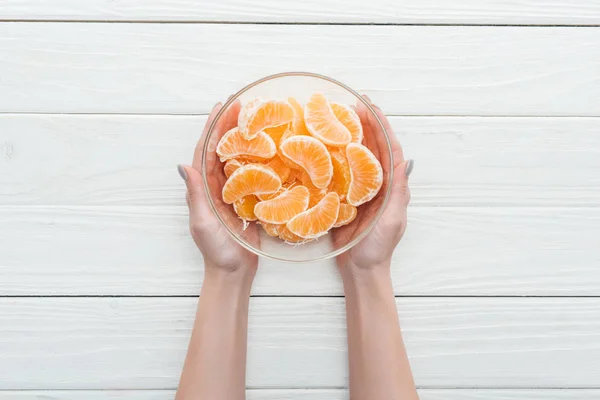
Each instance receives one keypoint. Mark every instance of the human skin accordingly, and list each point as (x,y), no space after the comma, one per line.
(215,365)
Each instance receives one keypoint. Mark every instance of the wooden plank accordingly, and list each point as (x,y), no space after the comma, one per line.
(309,394)
(408,70)
(446,251)
(140,343)
(333,11)
(460,161)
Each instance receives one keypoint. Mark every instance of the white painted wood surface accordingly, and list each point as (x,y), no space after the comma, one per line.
(135,343)
(408,70)
(503,122)
(332,11)
(461,161)
(446,251)
(309,394)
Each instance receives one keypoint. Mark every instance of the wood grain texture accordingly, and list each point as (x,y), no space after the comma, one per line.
(408,70)
(446,251)
(140,343)
(332,11)
(460,161)
(310,394)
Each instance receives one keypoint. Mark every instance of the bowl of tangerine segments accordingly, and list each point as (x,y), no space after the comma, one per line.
(297,167)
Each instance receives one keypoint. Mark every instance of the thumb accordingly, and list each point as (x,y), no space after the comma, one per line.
(400,189)
(195,196)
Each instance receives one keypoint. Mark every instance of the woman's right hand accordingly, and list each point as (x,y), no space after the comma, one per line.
(375,250)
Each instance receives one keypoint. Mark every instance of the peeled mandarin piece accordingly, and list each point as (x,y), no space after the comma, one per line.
(250,179)
(366,175)
(346,215)
(288,236)
(280,167)
(322,123)
(312,156)
(350,119)
(244,207)
(294,175)
(268,196)
(283,207)
(231,166)
(316,194)
(277,132)
(271,229)
(340,181)
(233,145)
(286,160)
(298,125)
(259,114)
(316,221)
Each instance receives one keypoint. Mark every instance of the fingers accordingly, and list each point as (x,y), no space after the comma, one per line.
(195,194)
(197,161)
(400,190)
(394,142)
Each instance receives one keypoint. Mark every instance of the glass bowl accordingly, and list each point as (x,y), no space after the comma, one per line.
(300,85)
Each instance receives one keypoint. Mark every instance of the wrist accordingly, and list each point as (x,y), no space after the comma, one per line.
(374,279)
(233,281)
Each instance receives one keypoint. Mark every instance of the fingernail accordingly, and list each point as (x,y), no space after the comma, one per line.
(368,98)
(182,172)
(216,105)
(409,167)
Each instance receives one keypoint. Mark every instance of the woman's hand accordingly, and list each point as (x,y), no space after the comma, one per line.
(221,252)
(376,249)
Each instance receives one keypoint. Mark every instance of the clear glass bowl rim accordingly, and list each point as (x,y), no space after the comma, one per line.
(332,253)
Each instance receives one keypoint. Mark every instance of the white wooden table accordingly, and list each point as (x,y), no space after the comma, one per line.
(498,277)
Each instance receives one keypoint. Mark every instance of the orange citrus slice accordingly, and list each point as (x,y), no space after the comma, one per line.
(280,167)
(312,156)
(340,181)
(231,166)
(316,194)
(271,229)
(234,145)
(316,221)
(346,215)
(244,207)
(288,236)
(322,123)
(350,119)
(283,207)
(366,175)
(298,125)
(250,179)
(277,132)
(259,114)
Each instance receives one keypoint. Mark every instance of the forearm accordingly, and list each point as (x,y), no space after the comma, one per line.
(215,365)
(379,367)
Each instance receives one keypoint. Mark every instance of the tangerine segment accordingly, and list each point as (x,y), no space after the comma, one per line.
(316,194)
(271,229)
(259,114)
(231,166)
(346,215)
(286,160)
(316,221)
(233,145)
(312,156)
(350,119)
(250,179)
(341,174)
(289,236)
(268,196)
(277,132)
(298,125)
(323,124)
(244,207)
(280,167)
(366,175)
(283,207)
